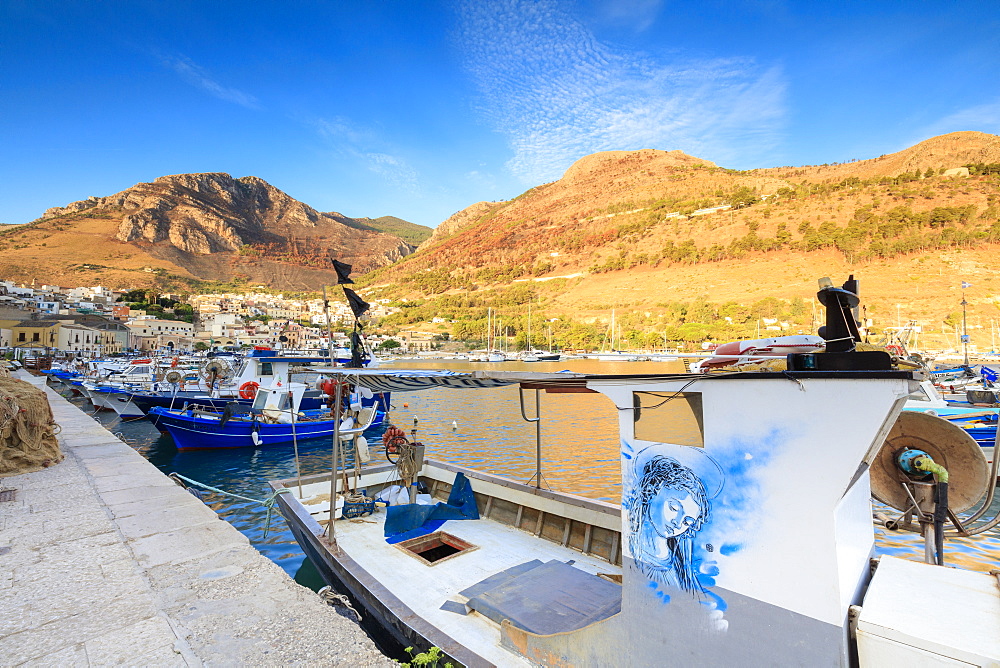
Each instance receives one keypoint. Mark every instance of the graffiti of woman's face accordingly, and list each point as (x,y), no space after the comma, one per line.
(673,511)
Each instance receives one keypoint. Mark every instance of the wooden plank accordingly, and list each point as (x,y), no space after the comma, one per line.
(560,389)
(520,512)
(566,529)
(563,497)
(321,477)
(538,523)
(585,511)
(615,540)
(586,539)
(489,506)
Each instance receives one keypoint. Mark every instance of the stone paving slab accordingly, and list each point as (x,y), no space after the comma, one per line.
(104,561)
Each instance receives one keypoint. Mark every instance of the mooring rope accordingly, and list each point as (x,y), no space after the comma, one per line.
(268,503)
(333,598)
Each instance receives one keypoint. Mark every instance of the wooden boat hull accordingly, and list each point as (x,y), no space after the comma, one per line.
(380,605)
(382,611)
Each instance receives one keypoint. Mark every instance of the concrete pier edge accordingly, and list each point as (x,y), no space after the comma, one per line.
(105,561)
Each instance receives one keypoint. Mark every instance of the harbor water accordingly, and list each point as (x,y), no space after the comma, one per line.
(481,429)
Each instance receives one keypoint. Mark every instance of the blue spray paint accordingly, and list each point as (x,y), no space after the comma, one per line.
(676,513)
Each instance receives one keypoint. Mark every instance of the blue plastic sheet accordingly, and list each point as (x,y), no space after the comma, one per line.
(408,518)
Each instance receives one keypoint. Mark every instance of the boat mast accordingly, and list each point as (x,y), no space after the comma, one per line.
(965,331)
(329,332)
(528,347)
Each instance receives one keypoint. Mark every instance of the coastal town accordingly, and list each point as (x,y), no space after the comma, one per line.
(97,321)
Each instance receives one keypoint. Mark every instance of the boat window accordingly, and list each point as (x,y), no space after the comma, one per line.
(260,400)
(265,369)
(669,417)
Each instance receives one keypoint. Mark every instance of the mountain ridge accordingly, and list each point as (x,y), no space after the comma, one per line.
(642,231)
(204,226)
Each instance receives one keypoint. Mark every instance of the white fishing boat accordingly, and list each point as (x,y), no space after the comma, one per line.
(744,535)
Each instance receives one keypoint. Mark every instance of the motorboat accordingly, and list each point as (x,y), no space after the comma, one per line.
(275,417)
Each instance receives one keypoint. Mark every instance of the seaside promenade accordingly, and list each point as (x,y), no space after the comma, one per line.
(104,561)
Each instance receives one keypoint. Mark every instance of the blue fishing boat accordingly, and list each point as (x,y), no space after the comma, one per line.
(275,417)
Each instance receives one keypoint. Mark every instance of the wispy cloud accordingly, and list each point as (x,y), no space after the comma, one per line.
(557,93)
(637,15)
(197,76)
(983,117)
(358,142)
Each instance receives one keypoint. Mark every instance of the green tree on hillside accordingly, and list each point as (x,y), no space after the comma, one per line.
(743,196)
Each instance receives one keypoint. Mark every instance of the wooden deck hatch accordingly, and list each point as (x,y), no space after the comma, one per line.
(435,547)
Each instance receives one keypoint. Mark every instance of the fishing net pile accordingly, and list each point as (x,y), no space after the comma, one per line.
(27,430)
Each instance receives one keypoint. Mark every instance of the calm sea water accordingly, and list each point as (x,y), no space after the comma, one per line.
(481,429)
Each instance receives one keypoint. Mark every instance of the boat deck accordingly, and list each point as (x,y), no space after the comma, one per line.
(426,588)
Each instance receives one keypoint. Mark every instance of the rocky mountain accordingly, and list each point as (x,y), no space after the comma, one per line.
(198,226)
(651,233)
(467,216)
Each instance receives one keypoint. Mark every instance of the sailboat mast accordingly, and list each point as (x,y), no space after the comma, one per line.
(528,347)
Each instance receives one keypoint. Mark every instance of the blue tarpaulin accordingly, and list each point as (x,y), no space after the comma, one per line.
(461,505)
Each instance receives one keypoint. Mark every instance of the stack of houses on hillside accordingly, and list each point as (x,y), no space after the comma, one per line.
(94,321)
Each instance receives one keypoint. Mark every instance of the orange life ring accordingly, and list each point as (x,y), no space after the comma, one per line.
(174,362)
(248,390)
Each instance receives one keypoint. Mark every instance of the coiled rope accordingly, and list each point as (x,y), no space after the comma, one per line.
(333,598)
(267,503)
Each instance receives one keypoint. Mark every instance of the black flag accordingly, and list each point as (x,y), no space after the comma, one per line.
(357,352)
(358,305)
(343,272)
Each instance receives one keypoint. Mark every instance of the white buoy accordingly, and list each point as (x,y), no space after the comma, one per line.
(361,443)
(454,425)
(415,420)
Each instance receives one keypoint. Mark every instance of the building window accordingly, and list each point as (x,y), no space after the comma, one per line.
(20,336)
(35,336)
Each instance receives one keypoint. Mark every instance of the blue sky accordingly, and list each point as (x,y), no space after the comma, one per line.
(419,109)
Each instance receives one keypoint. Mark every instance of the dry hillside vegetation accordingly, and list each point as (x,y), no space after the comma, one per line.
(640,232)
(192,227)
